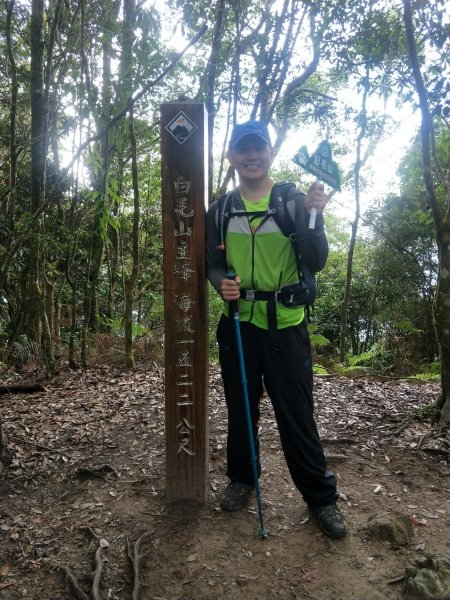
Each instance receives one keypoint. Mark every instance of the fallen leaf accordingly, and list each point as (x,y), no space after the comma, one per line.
(418,521)
(429,515)
(311,575)
(420,546)
(5,585)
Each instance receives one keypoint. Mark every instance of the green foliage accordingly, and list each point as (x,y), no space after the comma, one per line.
(426,376)
(431,372)
(259,69)
(351,371)
(24,350)
(377,359)
(362,359)
(215,310)
(317,339)
(431,412)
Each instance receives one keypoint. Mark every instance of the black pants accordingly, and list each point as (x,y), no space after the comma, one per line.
(287,376)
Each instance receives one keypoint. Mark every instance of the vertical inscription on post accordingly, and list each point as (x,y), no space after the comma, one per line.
(184,201)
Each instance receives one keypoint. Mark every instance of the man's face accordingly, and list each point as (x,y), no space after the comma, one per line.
(251,158)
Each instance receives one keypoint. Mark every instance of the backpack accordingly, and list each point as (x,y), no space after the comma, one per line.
(291,225)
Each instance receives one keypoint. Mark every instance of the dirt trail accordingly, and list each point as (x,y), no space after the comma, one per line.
(54,516)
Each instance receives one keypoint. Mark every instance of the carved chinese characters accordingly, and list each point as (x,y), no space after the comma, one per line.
(184,195)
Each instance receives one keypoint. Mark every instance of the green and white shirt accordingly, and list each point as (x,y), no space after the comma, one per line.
(262,256)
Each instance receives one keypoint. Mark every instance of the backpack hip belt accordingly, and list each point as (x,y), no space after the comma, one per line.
(294,295)
(255,295)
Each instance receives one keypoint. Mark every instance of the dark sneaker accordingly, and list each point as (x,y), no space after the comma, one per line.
(235,496)
(331,520)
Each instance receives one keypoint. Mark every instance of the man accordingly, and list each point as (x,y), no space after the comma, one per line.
(262,258)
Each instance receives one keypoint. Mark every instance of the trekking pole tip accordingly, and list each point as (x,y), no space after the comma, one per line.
(263,532)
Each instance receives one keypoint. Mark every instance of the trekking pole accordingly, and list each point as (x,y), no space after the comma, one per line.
(234,309)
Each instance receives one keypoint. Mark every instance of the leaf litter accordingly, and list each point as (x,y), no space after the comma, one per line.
(83,510)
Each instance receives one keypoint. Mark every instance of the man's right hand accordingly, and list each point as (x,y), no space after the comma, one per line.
(229,289)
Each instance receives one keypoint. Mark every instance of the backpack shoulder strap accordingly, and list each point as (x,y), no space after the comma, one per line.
(223,216)
(288,202)
(226,208)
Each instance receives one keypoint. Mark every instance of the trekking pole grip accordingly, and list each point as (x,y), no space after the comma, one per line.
(312,218)
(233,304)
(313,213)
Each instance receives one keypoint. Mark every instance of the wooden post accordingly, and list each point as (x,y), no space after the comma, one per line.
(184,139)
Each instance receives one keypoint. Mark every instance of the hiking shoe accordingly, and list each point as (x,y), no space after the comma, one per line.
(331,521)
(235,496)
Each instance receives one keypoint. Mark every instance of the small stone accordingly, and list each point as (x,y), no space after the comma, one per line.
(394,527)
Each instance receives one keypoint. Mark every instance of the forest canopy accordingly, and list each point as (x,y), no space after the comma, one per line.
(81,86)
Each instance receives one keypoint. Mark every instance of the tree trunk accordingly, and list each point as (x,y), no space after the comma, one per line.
(14,87)
(36,311)
(371,312)
(351,249)
(4,454)
(100,175)
(130,282)
(131,278)
(442,226)
(210,87)
(86,313)
(73,324)
(442,316)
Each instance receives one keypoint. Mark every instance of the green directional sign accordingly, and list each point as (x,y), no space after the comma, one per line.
(320,163)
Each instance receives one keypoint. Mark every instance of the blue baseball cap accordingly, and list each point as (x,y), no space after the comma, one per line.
(241,130)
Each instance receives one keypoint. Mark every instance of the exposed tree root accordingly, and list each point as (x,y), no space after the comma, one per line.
(94,577)
(97,574)
(93,471)
(24,388)
(76,589)
(335,458)
(135,556)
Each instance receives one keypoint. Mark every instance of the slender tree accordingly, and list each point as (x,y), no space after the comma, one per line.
(14,90)
(357,179)
(38,323)
(441,221)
